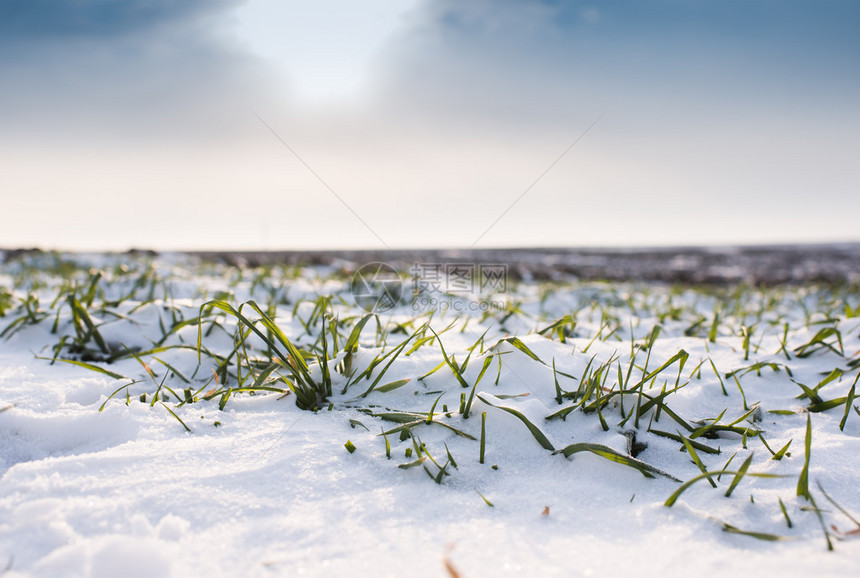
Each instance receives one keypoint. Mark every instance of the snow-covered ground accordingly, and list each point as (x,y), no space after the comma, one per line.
(101,478)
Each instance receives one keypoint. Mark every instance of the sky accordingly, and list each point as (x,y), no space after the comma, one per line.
(280,124)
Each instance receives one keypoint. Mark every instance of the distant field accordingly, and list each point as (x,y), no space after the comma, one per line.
(835,263)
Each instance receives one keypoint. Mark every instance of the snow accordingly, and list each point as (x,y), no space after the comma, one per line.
(272,491)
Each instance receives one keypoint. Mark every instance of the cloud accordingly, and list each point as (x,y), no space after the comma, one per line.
(711,106)
(102,68)
(40,20)
(493,59)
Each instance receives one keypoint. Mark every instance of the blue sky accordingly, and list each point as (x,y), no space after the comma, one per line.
(135,123)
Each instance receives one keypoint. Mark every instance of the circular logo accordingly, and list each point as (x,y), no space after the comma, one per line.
(376,287)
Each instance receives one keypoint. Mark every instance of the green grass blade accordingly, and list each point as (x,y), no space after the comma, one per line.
(695,456)
(352,340)
(468,408)
(757,535)
(486,501)
(785,513)
(114,393)
(849,400)
(538,435)
(483,437)
(516,342)
(188,429)
(393,385)
(423,421)
(803,479)
(85,365)
(845,512)
(699,446)
(454,369)
(782,452)
(739,475)
(681,357)
(689,483)
(612,455)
